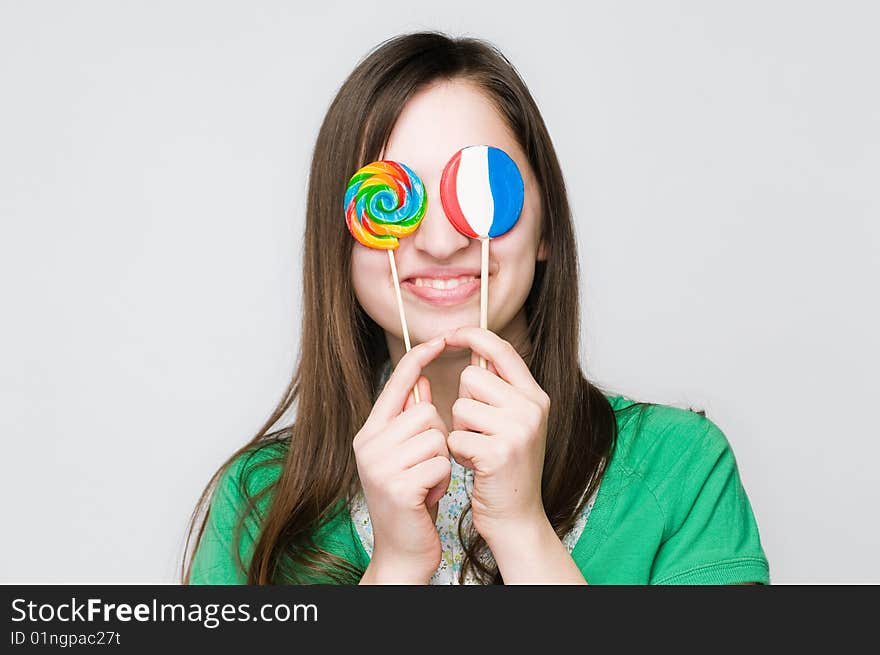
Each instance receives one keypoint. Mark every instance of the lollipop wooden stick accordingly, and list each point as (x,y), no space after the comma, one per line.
(484,292)
(402,315)
(385,201)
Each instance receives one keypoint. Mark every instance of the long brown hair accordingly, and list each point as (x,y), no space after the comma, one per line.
(343,348)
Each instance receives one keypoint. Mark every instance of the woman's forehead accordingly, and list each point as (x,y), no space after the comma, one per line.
(442,119)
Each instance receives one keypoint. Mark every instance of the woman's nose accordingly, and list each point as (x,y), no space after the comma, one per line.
(436,236)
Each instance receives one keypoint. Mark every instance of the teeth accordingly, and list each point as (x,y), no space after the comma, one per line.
(450,283)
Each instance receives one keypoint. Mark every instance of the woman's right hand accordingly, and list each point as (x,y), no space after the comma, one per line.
(404,469)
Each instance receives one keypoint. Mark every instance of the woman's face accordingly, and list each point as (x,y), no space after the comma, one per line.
(438,268)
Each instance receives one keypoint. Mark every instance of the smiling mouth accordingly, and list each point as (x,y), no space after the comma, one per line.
(443,290)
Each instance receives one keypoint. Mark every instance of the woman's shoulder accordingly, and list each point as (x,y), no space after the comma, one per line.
(254,469)
(250,472)
(657,440)
(681,462)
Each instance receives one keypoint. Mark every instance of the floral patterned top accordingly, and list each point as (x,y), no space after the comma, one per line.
(452,504)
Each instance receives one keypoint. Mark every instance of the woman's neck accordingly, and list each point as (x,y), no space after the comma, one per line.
(445,371)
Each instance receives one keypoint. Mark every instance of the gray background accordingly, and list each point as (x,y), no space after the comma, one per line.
(723,164)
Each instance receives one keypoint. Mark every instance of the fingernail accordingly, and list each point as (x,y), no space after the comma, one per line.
(436,341)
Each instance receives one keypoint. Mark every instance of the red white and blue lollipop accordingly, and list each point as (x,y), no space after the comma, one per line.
(482,194)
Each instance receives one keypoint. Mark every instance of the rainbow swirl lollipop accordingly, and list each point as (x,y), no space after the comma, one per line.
(384,200)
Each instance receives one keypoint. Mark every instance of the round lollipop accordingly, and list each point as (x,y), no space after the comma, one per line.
(384,201)
(482,194)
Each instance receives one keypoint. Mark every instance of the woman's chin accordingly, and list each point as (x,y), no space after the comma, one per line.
(436,331)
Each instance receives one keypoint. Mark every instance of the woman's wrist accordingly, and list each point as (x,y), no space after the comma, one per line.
(530,552)
(517,535)
(394,573)
(526,529)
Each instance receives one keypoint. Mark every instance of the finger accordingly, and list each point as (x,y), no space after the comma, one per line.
(487,387)
(424,392)
(402,380)
(432,500)
(507,361)
(430,474)
(468,448)
(424,445)
(475,361)
(417,419)
(473,415)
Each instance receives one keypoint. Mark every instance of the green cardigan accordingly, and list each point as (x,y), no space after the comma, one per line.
(671,509)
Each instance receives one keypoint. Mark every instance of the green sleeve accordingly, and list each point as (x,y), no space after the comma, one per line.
(215,561)
(710,534)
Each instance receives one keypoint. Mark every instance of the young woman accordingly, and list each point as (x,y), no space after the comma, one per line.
(522,472)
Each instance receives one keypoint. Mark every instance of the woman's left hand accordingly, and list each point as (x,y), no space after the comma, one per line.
(500,430)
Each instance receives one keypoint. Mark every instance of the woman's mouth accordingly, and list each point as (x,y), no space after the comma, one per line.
(443,290)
